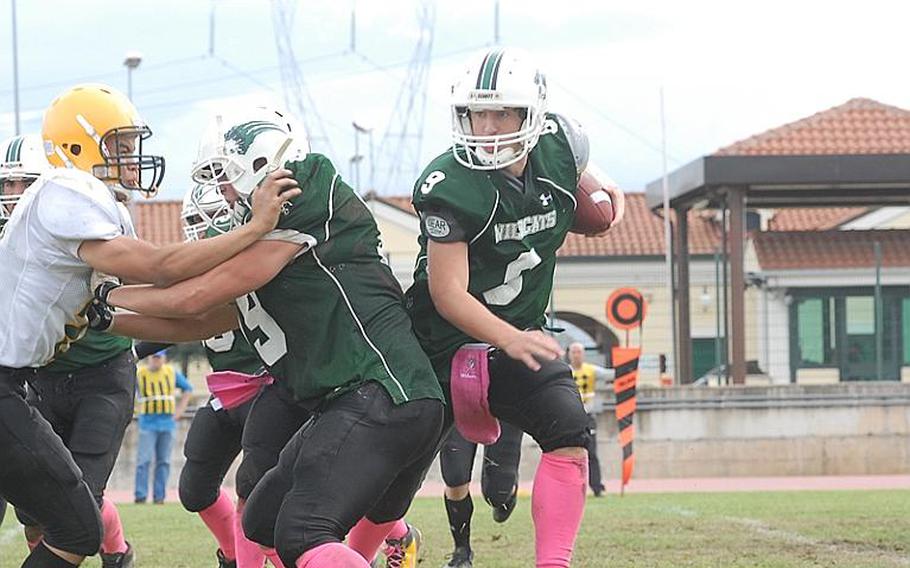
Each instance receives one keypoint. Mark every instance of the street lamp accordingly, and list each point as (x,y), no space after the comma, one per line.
(361,128)
(131,61)
(355,169)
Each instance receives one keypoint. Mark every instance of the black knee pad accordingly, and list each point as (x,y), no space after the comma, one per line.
(82,536)
(456,459)
(294,539)
(197,490)
(544,403)
(249,473)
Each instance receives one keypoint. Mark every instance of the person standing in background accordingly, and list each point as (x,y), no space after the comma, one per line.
(159,412)
(586,377)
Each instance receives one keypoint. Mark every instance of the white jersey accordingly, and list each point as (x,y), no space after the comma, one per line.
(44,285)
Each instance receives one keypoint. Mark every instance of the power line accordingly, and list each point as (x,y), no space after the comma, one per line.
(97,77)
(406,124)
(628,130)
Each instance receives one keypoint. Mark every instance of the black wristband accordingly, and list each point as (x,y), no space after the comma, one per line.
(103,290)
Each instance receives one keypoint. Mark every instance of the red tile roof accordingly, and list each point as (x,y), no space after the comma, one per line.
(859,126)
(158,220)
(809,250)
(813,218)
(641,233)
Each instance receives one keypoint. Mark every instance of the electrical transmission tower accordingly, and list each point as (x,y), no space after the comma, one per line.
(296,95)
(401,144)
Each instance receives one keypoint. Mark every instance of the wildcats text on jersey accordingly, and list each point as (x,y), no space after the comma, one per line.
(520,229)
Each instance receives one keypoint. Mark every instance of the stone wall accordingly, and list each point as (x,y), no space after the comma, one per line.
(841,429)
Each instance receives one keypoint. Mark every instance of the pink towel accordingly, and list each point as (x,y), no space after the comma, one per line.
(470,383)
(231,389)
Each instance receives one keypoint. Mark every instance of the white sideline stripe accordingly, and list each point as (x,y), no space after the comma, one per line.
(763,529)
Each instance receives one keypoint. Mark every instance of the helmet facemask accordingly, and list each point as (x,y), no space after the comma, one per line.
(242,155)
(493,81)
(205,212)
(504,153)
(121,150)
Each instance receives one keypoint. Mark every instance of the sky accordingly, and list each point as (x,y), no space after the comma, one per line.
(727,70)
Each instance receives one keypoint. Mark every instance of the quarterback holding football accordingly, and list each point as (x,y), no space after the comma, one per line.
(494,210)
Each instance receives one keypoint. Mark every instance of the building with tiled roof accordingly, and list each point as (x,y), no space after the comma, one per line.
(157,220)
(831,250)
(859,126)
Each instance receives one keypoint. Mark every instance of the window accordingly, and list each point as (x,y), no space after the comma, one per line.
(810,319)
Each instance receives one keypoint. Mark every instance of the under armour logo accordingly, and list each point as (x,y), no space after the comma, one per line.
(546,199)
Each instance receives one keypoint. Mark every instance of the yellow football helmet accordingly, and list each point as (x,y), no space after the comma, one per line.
(96,129)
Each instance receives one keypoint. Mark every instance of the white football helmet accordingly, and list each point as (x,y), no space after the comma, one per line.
(204,208)
(241,149)
(494,80)
(22,160)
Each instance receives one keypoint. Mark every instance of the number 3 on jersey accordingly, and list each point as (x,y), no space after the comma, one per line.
(275,345)
(513,279)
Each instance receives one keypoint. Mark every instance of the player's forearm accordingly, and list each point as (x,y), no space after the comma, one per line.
(179,262)
(465,312)
(171,330)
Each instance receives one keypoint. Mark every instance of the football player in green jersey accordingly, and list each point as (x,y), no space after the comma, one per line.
(326,315)
(214,438)
(494,210)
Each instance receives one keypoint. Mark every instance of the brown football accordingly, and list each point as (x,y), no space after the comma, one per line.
(594,206)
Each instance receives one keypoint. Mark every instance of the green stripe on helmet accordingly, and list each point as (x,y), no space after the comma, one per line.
(489,65)
(14,150)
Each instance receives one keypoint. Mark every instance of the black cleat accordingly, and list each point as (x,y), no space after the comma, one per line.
(502,513)
(119,559)
(461,558)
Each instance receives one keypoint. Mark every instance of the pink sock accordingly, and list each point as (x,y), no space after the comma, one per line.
(272,555)
(557,506)
(113,530)
(331,555)
(399,530)
(219,518)
(249,554)
(366,537)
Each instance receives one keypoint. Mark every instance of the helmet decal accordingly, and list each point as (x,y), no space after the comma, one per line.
(240,137)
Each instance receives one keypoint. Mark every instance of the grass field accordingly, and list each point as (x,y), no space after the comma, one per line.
(843,528)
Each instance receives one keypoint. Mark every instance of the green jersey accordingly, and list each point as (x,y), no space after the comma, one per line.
(334,317)
(92,349)
(513,229)
(230,351)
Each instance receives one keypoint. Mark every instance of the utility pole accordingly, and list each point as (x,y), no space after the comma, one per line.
(15,70)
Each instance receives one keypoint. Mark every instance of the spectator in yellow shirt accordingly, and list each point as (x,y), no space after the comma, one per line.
(586,377)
